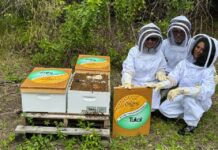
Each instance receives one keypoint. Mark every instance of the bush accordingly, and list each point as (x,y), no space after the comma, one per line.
(54,32)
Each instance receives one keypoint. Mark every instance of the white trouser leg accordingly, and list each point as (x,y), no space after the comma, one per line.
(155,100)
(172,109)
(192,111)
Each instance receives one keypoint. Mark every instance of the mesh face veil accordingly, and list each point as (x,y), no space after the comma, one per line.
(149,30)
(209,54)
(182,23)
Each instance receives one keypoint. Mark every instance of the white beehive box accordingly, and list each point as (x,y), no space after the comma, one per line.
(45,90)
(90,101)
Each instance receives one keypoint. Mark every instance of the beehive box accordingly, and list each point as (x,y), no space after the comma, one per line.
(93,63)
(89,93)
(131,111)
(45,90)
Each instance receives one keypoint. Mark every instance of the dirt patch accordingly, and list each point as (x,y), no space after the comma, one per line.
(10,109)
(90,82)
(13,69)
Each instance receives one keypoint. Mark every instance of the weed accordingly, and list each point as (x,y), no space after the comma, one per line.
(58,124)
(47,122)
(91,141)
(84,124)
(37,142)
(30,121)
(4,144)
(70,143)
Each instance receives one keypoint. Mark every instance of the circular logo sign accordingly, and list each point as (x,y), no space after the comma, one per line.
(48,76)
(132,111)
(93,62)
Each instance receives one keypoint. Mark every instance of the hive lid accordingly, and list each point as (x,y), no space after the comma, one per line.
(47,80)
(93,63)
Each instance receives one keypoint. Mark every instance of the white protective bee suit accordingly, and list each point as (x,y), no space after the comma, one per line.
(142,64)
(173,52)
(195,84)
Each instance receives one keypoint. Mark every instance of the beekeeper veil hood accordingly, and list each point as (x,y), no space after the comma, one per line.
(147,31)
(209,55)
(182,23)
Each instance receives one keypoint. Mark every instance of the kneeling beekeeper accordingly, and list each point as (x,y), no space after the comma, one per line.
(145,62)
(196,85)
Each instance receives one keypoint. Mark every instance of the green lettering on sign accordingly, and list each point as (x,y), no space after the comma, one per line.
(135,119)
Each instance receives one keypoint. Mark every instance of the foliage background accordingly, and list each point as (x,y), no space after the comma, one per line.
(54,32)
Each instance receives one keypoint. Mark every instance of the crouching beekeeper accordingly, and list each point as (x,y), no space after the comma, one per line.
(196,85)
(145,62)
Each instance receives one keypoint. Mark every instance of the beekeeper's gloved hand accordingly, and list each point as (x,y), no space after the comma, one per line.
(173,93)
(160,85)
(161,75)
(191,91)
(216,79)
(127,80)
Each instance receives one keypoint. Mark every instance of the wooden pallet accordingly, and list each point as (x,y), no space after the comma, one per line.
(46,123)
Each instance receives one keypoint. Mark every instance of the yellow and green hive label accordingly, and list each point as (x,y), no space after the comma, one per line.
(93,62)
(132,111)
(48,76)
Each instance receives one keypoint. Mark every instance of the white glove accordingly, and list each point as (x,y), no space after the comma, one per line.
(173,93)
(160,85)
(191,91)
(127,80)
(161,75)
(216,79)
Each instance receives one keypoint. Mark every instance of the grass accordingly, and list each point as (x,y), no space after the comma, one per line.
(14,67)
(163,134)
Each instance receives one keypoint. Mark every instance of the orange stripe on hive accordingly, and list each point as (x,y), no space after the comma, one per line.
(95,65)
(51,79)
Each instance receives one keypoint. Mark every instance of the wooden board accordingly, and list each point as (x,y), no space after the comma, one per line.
(20,129)
(46,123)
(67,119)
(67,116)
(131,111)
(51,83)
(42,90)
(93,63)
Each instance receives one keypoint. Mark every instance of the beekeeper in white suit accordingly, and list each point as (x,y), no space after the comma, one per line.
(195,77)
(145,61)
(178,38)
